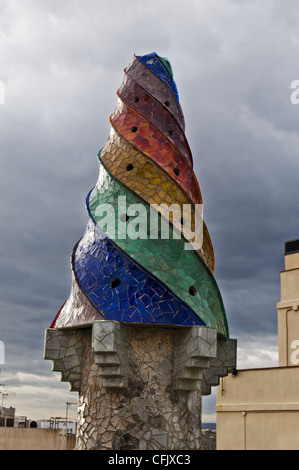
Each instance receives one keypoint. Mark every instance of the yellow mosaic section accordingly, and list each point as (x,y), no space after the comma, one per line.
(145,178)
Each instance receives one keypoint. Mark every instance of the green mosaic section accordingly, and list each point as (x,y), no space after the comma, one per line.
(166,259)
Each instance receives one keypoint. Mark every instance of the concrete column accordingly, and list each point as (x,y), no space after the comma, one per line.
(140,387)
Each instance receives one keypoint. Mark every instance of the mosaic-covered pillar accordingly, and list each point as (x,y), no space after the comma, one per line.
(143,333)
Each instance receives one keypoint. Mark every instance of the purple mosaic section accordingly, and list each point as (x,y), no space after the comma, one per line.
(158,66)
(155,87)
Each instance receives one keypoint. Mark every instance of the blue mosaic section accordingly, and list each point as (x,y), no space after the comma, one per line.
(120,289)
(153,62)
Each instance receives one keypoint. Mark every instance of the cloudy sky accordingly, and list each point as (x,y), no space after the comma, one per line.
(61,63)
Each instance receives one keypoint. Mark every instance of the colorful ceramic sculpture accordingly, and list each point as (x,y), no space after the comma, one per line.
(120,271)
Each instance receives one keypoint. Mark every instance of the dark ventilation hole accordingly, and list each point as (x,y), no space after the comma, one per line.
(171,133)
(177,171)
(192,290)
(115,283)
(167,103)
(134,129)
(124,217)
(33,424)
(129,167)
(136,99)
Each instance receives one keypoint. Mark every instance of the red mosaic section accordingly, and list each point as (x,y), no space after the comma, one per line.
(149,140)
(155,112)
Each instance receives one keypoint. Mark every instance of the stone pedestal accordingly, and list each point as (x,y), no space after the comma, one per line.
(140,387)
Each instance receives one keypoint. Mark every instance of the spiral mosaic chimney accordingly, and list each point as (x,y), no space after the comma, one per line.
(143,334)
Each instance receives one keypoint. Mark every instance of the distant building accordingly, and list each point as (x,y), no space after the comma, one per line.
(21,422)
(7,417)
(258,409)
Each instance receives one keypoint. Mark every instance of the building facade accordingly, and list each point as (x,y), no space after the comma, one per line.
(258,409)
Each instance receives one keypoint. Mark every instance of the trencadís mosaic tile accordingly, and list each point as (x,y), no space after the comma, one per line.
(142,176)
(156,88)
(146,160)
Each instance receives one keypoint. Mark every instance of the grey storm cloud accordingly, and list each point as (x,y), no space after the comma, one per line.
(61,64)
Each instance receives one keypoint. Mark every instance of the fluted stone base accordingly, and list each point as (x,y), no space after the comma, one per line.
(140,387)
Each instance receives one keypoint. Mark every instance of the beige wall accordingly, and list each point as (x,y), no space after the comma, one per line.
(35,439)
(288,313)
(258,410)
(288,338)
